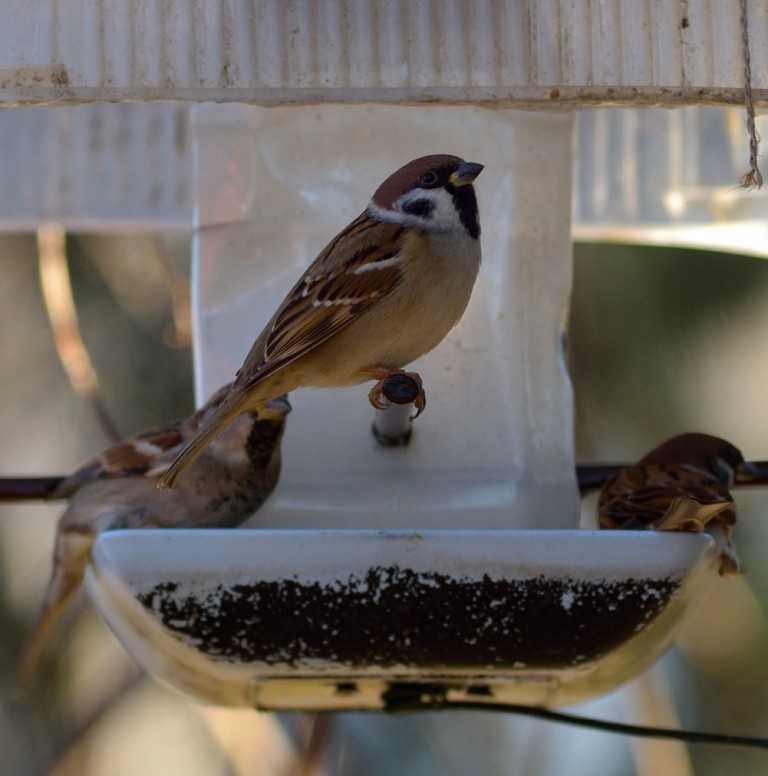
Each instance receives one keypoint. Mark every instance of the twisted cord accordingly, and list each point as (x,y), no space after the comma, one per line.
(753,178)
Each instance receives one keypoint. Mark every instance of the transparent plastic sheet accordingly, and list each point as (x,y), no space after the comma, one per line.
(494,447)
(662,177)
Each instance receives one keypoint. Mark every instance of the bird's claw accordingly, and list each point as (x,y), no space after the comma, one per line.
(375,394)
(399,387)
(420,403)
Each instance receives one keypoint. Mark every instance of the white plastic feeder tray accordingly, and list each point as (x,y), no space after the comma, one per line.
(335,600)
(535,617)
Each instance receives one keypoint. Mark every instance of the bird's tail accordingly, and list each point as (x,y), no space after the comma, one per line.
(687,514)
(73,550)
(223,415)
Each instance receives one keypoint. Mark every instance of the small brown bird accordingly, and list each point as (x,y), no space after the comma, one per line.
(682,485)
(383,292)
(118,489)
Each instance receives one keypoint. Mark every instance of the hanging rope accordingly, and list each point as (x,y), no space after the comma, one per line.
(753,178)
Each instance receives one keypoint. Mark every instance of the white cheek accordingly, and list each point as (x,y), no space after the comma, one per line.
(444,216)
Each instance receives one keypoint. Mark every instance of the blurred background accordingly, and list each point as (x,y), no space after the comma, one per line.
(661,340)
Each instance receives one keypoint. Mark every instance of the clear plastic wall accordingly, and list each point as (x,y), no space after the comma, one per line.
(494,446)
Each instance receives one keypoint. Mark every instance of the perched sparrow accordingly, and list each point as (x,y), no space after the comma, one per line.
(118,489)
(682,485)
(384,291)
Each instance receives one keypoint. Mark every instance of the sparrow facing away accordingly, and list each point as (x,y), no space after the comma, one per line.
(118,489)
(383,292)
(681,485)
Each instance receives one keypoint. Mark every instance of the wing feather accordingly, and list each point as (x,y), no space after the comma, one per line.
(134,457)
(358,268)
(641,495)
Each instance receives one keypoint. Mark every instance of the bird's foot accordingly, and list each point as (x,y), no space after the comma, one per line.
(398,387)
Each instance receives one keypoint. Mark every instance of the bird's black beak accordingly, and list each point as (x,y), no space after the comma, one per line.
(748,473)
(465,174)
(276,408)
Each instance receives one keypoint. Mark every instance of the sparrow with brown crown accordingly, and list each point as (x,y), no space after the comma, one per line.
(681,485)
(383,292)
(118,489)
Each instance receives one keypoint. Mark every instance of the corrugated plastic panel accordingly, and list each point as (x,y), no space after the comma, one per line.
(117,166)
(517,52)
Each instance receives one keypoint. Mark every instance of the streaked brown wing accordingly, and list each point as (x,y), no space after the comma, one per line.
(636,509)
(132,458)
(640,495)
(330,294)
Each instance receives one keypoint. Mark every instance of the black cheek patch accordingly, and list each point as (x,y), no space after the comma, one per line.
(466,205)
(419,207)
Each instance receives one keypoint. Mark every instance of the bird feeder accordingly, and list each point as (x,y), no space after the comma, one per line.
(454,561)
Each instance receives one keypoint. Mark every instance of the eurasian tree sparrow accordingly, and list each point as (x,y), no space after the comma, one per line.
(118,489)
(383,292)
(681,485)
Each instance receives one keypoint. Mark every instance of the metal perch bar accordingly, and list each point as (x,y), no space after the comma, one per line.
(392,426)
(27,488)
(592,476)
(387,425)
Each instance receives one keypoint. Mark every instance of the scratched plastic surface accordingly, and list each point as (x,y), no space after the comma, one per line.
(552,617)
(494,446)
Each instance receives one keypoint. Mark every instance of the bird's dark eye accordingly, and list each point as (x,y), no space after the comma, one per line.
(429,179)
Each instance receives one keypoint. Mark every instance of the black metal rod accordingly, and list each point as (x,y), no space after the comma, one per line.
(27,488)
(589,476)
(592,476)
